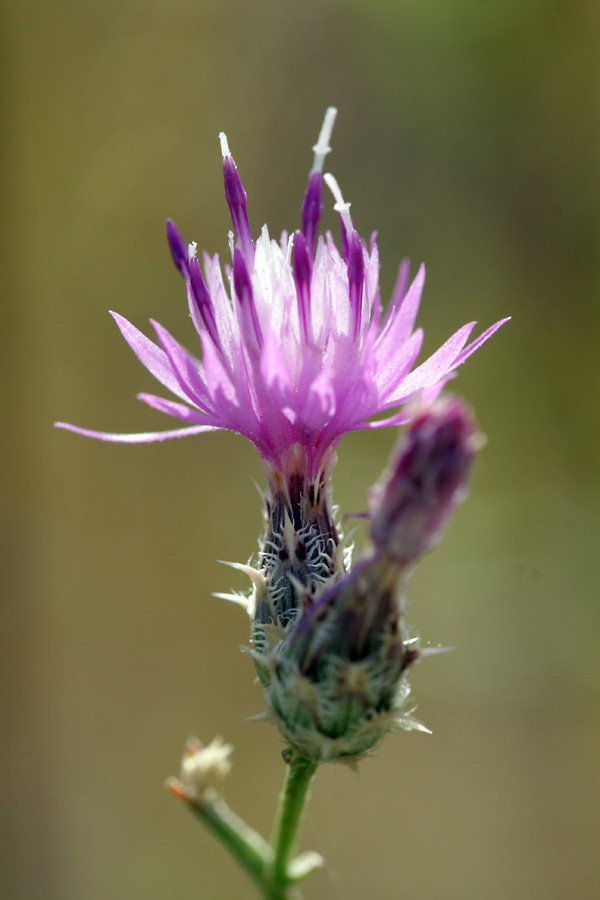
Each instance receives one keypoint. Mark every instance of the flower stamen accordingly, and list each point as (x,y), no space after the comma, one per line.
(249,324)
(352,252)
(236,200)
(200,303)
(301,268)
(312,207)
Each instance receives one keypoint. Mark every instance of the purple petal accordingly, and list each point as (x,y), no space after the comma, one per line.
(343,239)
(312,206)
(178,248)
(312,210)
(200,303)
(249,323)
(356,278)
(302,270)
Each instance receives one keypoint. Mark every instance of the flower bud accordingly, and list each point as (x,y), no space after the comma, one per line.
(204,768)
(338,680)
(427,478)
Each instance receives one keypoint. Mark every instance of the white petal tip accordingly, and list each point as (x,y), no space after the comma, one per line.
(224,145)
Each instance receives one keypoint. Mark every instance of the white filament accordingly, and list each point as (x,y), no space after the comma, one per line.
(341,206)
(289,248)
(322,147)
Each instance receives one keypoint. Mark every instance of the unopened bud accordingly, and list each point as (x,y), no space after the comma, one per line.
(425,481)
(338,681)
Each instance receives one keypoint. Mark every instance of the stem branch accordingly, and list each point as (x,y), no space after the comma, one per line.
(270,867)
(247,846)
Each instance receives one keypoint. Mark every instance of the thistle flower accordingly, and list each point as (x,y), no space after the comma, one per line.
(296,352)
(295,349)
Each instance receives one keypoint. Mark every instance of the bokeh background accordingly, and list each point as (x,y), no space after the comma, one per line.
(468,136)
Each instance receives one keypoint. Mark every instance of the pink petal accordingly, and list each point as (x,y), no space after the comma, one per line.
(394,364)
(185,367)
(474,345)
(273,365)
(401,320)
(435,367)
(171,408)
(151,356)
(399,418)
(143,438)
(218,379)
(319,402)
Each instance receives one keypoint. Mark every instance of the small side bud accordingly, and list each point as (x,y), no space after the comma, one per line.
(339,682)
(425,481)
(203,769)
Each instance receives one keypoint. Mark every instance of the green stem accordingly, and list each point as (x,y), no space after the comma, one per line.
(247,846)
(291,806)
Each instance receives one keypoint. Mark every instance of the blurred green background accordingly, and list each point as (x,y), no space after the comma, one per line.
(469,136)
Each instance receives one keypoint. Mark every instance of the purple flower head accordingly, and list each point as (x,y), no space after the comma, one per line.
(295,349)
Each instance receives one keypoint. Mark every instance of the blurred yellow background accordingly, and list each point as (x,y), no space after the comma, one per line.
(468,135)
